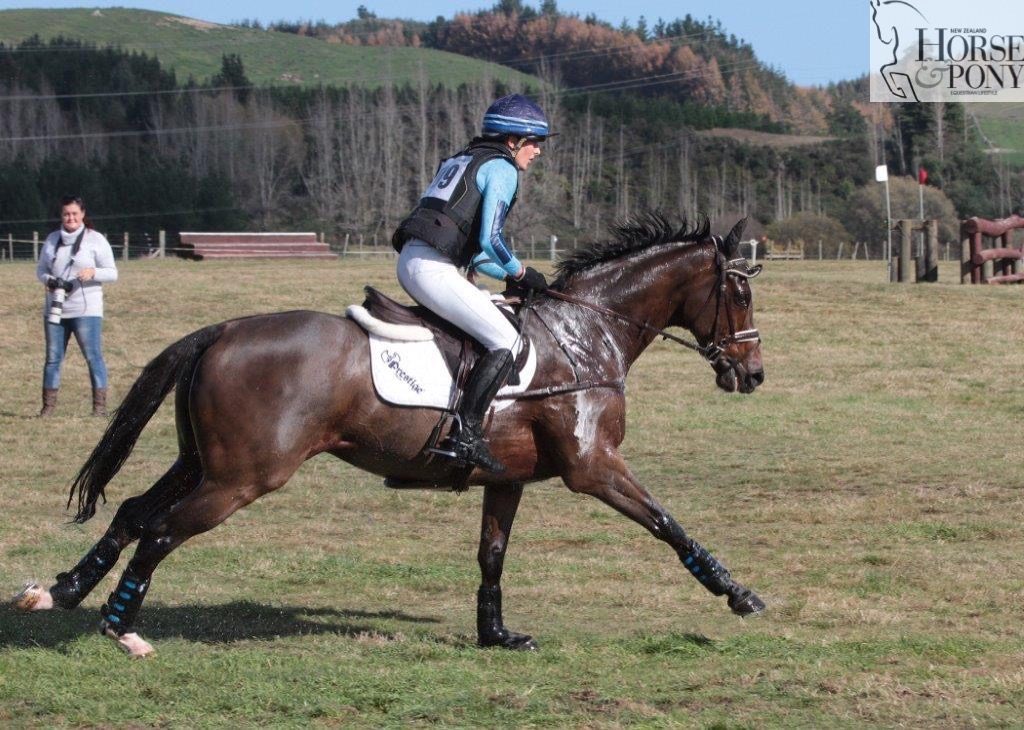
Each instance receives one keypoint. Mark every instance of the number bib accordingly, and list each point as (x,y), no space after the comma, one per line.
(448,178)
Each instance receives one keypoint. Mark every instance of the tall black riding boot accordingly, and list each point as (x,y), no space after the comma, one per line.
(486,378)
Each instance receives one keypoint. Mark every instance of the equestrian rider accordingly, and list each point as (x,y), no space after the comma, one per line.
(458,224)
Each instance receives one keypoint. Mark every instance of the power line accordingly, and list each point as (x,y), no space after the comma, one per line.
(151,214)
(611,86)
(574,55)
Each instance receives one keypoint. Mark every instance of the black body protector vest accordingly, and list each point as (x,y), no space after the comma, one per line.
(448,216)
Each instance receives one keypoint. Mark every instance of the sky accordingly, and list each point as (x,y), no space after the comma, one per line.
(813,42)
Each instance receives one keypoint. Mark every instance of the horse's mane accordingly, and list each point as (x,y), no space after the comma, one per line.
(633,234)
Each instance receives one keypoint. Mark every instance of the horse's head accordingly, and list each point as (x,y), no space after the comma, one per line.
(724,318)
(654,275)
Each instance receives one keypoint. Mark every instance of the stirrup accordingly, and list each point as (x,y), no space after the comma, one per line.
(469,453)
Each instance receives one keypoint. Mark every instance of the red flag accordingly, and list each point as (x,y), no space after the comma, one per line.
(922,175)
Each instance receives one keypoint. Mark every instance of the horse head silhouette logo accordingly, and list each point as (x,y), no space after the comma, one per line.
(887,17)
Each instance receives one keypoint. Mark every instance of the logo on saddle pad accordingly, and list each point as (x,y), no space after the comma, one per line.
(394,362)
(415,374)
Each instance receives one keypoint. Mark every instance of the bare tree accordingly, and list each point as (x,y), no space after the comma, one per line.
(272,149)
(321,174)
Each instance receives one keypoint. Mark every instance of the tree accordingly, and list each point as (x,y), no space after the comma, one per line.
(865,210)
(809,228)
(232,75)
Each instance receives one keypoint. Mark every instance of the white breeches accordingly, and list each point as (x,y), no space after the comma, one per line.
(432,279)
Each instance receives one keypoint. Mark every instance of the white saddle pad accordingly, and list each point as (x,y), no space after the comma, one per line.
(414,374)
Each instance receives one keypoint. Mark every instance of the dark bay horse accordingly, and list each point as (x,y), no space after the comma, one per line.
(258,396)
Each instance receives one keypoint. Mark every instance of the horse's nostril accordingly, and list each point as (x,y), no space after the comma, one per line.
(757,378)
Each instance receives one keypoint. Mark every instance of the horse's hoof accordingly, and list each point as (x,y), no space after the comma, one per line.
(33,597)
(745,603)
(511,641)
(132,644)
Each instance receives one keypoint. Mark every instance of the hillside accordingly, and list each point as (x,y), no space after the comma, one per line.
(1002,129)
(194,48)
(688,61)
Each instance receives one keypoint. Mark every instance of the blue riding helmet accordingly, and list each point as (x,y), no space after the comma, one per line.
(515,114)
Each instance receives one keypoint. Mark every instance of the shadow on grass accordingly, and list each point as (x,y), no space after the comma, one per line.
(220,624)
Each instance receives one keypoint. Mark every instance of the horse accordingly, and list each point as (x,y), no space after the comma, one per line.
(259,395)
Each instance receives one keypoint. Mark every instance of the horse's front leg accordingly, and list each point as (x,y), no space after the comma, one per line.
(609,479)
(499,510)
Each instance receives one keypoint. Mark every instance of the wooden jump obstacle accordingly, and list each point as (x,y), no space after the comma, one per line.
(909,268)
(1000,264)
(243,245)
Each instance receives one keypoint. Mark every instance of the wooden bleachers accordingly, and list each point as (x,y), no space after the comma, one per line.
(200,246)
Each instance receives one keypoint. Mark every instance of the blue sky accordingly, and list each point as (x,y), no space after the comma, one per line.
(812,41)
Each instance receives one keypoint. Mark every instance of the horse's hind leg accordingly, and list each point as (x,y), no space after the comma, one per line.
(499,510)
(74,585)
(202,510)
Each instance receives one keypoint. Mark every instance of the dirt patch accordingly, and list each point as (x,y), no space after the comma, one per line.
(198,24)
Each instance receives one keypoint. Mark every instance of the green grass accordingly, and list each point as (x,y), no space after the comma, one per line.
(870,491)
(194,48)
(1003,126)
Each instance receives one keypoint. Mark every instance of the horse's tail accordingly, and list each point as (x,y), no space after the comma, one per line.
(158,378)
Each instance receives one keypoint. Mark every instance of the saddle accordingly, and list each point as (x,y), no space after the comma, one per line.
(459,350)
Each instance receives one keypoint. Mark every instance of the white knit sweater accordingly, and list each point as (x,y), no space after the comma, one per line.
(86,298)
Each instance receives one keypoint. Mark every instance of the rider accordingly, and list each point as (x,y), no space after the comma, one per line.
(458,224)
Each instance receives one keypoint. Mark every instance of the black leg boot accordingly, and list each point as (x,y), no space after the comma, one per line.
(73,586)
(484,381)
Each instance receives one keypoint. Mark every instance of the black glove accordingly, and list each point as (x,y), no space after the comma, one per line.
(51,282)
(532,279)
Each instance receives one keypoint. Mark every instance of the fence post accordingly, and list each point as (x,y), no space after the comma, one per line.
(161,237)
(35,246)
(908,267)
(126,245)
(10,245)
(344,247)
(931,250)
(819,249)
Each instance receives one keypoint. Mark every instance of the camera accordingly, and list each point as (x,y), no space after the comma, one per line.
(59,289)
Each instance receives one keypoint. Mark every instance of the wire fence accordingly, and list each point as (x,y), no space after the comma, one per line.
(551,247)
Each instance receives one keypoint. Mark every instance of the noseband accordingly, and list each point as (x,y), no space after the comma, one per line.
(714,351)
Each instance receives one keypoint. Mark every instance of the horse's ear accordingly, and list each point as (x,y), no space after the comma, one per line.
(732,241)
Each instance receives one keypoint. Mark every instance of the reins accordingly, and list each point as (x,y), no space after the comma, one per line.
(713,350)
(629,320)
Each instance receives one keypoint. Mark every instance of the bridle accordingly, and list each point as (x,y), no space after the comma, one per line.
(714,351)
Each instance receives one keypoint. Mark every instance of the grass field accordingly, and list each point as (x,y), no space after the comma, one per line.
(870,491)
(1001,124)
(194,48)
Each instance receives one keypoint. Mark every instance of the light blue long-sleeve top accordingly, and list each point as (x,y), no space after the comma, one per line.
(497,181)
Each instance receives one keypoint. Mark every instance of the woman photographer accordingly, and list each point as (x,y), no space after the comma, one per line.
(73,265)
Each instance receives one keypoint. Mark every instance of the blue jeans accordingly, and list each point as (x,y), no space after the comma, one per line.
(88,332)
